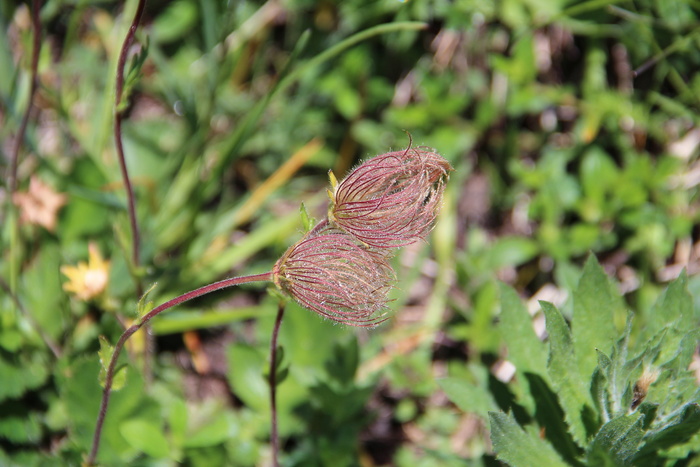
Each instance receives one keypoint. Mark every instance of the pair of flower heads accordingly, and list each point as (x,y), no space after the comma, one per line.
(340,268)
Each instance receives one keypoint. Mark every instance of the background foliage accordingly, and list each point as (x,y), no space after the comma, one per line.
(234,113)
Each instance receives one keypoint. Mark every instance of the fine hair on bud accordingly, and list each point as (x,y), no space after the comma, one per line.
(329,272)
(391,200)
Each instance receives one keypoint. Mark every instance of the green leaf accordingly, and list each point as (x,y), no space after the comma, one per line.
(307,221)
(208,427)
(344,360)
(467,396)
(617,441)
(120,372)
(517,447)
(145,305)
(146,436)
(19,373)
(673,310)
(281,368)
(24,429)
(106,351)
(525,350)
(79,389)
(599,385)
(246,376)
(132,75)
(175,21)
(567,382)
(593,322)
(45,299)
(686,350)
(177,420)
(679,429)
(551,418)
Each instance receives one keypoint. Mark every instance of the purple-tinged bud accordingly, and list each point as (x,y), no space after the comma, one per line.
(391,200)
(328,272)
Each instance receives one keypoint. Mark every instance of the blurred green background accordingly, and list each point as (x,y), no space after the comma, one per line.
(572,126)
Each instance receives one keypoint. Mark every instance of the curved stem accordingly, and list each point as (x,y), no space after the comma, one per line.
(109,378)
(131,202)
(128,40)
(274,436)
(36,47)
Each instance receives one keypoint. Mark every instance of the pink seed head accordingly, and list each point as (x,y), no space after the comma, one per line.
(328,272)
(391,200)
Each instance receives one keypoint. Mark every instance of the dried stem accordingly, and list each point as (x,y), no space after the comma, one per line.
(274,441)
(36,48)
(109,378)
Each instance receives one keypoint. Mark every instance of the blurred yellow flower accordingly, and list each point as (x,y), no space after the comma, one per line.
(87,280)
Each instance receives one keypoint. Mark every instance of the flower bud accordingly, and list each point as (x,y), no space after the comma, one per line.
(391,200)
(328,272)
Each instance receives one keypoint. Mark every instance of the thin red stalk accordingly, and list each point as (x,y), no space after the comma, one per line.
(131,202)
(36,47)
(128,40)
(109,378)
(274,441)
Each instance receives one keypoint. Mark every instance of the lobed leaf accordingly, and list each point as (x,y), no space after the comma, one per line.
(592,325)
(517,447)
(565,377)
(617,441)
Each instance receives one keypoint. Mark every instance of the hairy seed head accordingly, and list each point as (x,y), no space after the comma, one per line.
(328,272)
(391,200)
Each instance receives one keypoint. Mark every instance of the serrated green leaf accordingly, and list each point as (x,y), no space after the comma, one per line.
(145,436)
(517,447)
(145,305)
(120,375)
(551,418)
(525,350)
(619,370)
(599,386)
(106,351)
(118,380)
(675,305)
(617,441)
(686,350)
(566,380)
(593,322)
(677,430)
(467,396)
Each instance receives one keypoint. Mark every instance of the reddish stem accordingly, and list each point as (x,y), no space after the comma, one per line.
(36,47)
(131,201)
(274,441)
(109,378)
(128,40)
